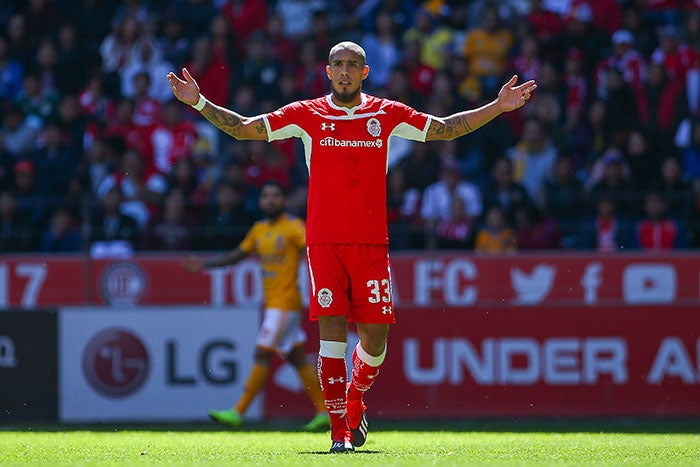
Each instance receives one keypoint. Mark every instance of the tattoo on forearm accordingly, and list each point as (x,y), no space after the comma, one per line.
(260,128)
(225,120)
(462,119)
(450,127)
(438,128)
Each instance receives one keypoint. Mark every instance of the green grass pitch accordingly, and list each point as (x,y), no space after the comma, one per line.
(434,444)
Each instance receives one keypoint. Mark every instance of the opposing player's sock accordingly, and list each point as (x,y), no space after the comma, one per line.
(255,382)
(309,378)
(332,375)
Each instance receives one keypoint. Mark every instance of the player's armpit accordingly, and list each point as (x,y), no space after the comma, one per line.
(234,124)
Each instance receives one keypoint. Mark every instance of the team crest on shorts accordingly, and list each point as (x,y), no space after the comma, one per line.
(374,127)
(325,297)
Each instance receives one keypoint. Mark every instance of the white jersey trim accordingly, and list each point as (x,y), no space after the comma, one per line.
(287,131)
(363,101)
(404,130)
(349,117)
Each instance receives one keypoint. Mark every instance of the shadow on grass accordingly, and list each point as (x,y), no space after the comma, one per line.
(524,425)
(354,453)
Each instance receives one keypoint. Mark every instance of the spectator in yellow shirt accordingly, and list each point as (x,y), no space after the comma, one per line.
(487,48)
(495,237)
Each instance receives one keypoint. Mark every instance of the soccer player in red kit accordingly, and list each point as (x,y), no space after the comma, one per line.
(346,138)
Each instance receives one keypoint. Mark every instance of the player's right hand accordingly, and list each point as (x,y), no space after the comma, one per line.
(187,90)
(192,264)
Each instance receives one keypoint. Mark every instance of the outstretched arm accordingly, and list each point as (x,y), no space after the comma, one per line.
(510,97)
(195,264)
(187,91)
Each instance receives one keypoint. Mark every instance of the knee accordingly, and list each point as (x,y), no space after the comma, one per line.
(262,356)
(297,357)
(374,345)
(333,328)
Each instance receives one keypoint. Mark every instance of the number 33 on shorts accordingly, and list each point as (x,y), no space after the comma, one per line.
(380,291)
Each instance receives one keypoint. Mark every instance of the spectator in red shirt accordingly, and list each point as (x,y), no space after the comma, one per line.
(147,108)
(658,232)
(172,138)
(456,231)
(310,72)
(420,75)
(283,49)
(546,24)
(607,231)
(662,108)
(211,71)
(627,60)
(246,16)
(223,41)
(535,231)
(141,188)
(677,57)
(123,126)
(403,212)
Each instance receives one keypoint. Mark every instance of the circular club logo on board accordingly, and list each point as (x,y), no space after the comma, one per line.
(115,363)
(122,284)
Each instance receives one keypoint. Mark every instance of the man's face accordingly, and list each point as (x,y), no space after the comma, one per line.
(271,201)
(346,72)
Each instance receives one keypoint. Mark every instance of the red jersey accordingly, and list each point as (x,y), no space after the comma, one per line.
(346,154)
(656,236)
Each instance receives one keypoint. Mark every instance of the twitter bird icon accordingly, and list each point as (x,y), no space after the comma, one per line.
(532,288)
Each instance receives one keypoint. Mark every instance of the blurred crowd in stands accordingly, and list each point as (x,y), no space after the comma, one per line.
(96,156)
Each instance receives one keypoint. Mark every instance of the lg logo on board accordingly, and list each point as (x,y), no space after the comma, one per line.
(115,363)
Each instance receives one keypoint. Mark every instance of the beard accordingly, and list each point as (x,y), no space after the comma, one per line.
(273,213)
(345,97)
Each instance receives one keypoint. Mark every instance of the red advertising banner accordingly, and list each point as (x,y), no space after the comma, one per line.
(568,361)
(420,280)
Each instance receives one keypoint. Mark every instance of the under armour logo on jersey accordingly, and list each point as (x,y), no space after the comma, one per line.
(328,126)
(340,379)
(386,310)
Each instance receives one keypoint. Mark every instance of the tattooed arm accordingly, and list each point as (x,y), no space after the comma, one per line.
(228,121)
(509,98)
(236,125)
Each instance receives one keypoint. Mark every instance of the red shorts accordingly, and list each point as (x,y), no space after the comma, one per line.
(352,281)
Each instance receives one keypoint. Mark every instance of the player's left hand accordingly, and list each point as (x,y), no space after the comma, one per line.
(511,97)
(192,264)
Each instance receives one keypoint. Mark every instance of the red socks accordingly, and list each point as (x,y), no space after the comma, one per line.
(332,374)
(365,369)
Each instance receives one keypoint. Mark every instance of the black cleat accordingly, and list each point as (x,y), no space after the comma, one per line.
(342,447)
(359,433)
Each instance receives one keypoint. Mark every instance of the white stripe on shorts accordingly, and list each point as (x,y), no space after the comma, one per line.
(311,273)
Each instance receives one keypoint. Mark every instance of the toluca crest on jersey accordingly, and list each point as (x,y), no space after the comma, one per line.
(325,297)
(373,127)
